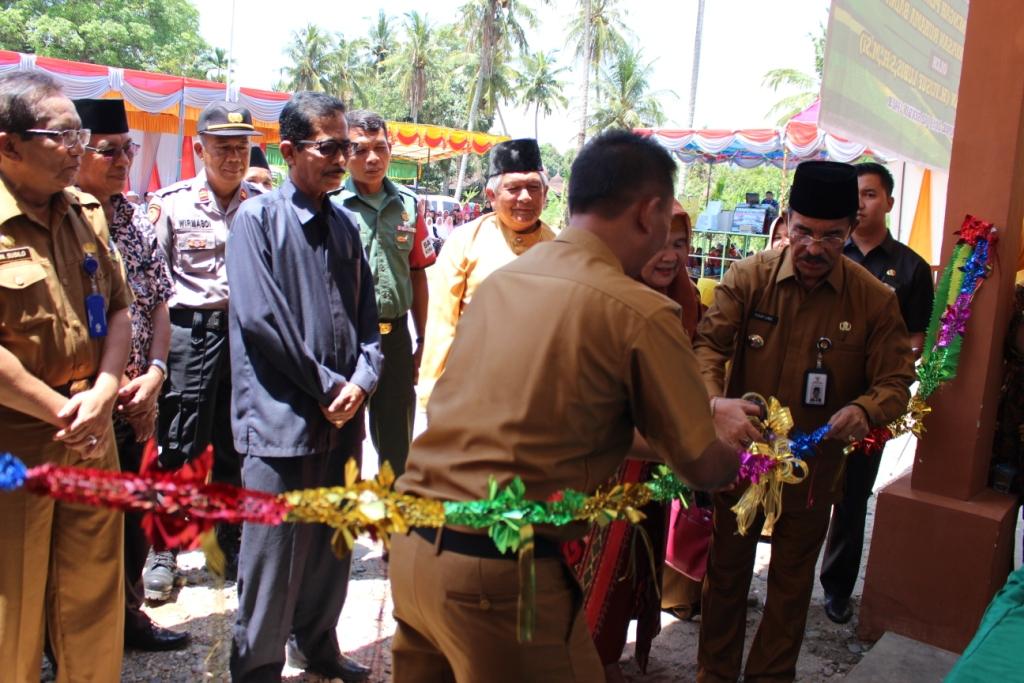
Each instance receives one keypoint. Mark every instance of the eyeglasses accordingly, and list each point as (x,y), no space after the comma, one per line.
(806,239)
(329,147)
(69,137)
(112,153)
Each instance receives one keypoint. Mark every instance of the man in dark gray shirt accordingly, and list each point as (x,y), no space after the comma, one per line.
(305,354)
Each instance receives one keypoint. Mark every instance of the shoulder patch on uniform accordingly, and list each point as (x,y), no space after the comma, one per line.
(153,213)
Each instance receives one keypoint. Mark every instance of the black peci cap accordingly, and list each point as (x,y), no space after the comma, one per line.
(515,156)
(824,189)
(257,158)
(103,117)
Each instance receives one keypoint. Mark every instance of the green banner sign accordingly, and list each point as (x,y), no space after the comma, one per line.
(892,70)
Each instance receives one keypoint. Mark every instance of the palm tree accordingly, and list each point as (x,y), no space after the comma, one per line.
(539,86)
(807,85)
(414,58)
(346,70)
(626,99)
(381,41)
(497,88)
(310,53)
(598,32)
(492,27)
(213,64)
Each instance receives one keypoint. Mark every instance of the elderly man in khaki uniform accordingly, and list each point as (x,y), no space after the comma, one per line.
(821,334)
(551,394)
(64,337)
(517,189)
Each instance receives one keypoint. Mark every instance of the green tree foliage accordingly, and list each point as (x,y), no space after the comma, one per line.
(626,100)
(214,65)
(152,35)
(807,85)
(597,32)
(539,86)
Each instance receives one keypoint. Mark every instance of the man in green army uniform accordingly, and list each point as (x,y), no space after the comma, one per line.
(395,238)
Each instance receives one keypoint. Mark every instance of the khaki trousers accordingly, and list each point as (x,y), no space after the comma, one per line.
(796,542)
(61,573)
(456,619)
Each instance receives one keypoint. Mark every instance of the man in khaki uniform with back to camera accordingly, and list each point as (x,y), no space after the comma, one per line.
(551,394)
(64,337)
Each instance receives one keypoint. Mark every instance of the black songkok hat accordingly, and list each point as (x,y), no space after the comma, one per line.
(103,117)
(515,156)
(257,158)
(226,118)
(824,189)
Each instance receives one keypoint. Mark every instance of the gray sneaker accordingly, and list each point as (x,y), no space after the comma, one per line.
(161,575)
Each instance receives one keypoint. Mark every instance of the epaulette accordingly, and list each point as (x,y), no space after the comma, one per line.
(179,186)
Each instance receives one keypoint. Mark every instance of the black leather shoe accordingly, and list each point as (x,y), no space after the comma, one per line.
(156,639)
(345,668)
(838,609)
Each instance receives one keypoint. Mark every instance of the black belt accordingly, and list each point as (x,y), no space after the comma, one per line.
(214,319)
(477,545)
(75,386)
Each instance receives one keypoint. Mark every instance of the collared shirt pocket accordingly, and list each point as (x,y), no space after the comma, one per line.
(197,251)
(26,300)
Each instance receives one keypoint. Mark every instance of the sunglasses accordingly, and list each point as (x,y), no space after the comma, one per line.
(329,147)
(69,137)
(111,153)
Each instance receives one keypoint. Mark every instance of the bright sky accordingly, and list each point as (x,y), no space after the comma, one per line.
(742,40)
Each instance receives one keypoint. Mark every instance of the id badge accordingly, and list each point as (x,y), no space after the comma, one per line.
(815,387)
(96,314)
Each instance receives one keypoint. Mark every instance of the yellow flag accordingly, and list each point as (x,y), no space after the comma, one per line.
(921,229)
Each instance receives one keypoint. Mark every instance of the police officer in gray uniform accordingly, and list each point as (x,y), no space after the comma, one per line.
(192,219)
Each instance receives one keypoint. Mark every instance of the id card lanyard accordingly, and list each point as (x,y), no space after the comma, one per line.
(816,379)
(95,304)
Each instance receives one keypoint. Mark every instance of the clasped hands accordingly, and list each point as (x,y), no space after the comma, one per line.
(345,401)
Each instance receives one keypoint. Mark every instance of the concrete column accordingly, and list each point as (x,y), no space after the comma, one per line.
(943,541)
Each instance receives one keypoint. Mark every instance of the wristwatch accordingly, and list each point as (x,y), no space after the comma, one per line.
(159,365)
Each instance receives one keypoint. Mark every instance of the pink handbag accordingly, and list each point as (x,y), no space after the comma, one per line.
(689,540)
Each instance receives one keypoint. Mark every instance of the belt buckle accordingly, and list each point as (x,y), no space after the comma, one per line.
(78,386)
(385,328)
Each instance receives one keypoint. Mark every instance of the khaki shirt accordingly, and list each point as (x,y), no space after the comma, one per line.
(559,357)
(768,325)
(192,231)
(474,251)
(42,296)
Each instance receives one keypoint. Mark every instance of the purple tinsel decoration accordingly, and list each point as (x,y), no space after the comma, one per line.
(954,321)
(803,445)
(753,467)
(12,473)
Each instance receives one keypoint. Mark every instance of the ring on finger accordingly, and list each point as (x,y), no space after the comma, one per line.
(92,441)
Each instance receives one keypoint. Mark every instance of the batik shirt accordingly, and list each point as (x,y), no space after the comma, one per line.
(147,274)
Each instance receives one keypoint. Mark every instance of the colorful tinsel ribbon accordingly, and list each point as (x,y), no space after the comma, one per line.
(360,506)
(768,465)
(969,266)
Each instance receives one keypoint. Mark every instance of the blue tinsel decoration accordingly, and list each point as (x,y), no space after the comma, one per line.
(12,472)
(804,445)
